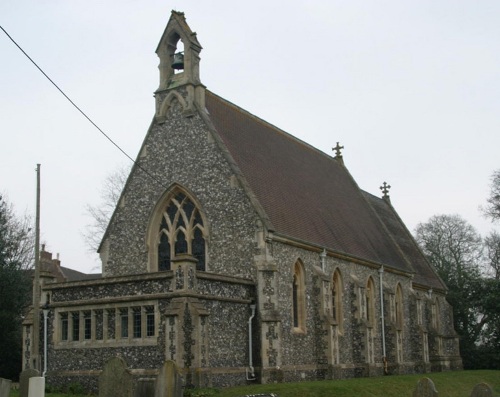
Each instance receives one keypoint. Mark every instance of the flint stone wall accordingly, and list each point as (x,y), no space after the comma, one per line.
(196,163)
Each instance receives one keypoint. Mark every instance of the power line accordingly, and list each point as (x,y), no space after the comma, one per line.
(78,108)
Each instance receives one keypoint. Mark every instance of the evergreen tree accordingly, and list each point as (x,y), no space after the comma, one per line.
(15,287)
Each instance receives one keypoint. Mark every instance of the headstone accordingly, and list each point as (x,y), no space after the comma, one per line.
(115,379)
(261,395)
(24,381)
(145,388)
(4,387)
(169,381)
(36,386)
(425,388)
(482,390)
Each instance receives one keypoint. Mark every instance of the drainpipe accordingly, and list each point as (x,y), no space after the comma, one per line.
(381,281)
(250,370)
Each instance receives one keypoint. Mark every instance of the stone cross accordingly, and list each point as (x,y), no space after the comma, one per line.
(337,150)
(482,390)
(425,388)
(385,190)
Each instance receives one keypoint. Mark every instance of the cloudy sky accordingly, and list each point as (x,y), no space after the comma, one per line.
(410,88)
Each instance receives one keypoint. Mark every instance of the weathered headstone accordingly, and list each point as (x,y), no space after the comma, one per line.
(482,390)
(37,386)
(145,387)
(24,381)
(261,395)
(425,388)
(169,381)
(4,387)
(115,379)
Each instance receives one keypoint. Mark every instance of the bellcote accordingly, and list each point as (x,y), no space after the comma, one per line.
(179,53)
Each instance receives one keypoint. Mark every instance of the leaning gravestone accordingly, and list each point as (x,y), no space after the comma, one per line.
(425,388)
(4,387)
(482,390)
(169,381)
(115,379)
(24,381)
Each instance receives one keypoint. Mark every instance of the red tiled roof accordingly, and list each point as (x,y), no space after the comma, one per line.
(424,273)
(306,194)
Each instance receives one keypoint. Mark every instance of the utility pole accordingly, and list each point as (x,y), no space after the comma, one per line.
(36,281)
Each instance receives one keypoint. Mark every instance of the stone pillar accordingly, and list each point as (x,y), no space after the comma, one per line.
(187,337)
(267,293)
(184,268)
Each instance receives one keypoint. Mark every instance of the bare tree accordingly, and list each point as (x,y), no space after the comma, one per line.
(492,208)
(492,248)
(452,245)
(18,236)
(466,262)
(100,214)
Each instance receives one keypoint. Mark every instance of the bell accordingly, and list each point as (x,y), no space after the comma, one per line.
(178,63)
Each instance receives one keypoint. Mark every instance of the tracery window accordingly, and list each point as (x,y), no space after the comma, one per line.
(181,231)
(298,297)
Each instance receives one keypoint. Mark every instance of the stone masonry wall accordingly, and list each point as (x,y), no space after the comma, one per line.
(181,150)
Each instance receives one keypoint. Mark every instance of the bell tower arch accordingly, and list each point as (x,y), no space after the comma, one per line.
(179,53)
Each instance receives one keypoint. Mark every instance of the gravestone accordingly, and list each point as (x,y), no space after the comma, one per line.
(169,381)
(425,388)
(24,381)
(261,395)
(37,386)
(145,387)
(482,390)
(115,379)
(4,387)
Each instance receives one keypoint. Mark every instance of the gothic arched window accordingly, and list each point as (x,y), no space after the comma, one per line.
(399,307)
(337,298)
(298,298)
(370,302)
(181,231)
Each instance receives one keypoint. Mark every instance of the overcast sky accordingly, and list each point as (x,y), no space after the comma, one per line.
(410,88)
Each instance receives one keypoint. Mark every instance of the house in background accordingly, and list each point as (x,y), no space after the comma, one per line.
(246,255)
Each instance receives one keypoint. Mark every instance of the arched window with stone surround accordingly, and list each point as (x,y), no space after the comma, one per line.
(399,307)
(177,227)
(337,298)
(370,302)
(298,298)
(399,322)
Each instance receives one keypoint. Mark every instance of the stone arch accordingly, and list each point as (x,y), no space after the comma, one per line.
(167,103)
(177,225)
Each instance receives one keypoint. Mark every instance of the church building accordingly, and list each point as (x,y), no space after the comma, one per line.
(245,255)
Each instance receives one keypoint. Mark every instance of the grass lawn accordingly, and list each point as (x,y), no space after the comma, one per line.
(448,384)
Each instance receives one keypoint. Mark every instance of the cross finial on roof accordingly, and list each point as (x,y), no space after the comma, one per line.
(337,150)
(385,190)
